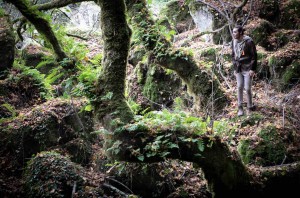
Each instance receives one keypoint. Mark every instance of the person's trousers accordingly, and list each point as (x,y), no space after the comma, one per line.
(244,81)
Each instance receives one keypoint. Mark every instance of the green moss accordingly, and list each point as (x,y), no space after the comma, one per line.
(261,32)
(2,13)
(160,87)
(270,150)
(255,118)
(151,87)
(209,53)
(292,74)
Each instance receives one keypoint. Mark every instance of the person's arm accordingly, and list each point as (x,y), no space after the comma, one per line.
(253,55)
(234,62)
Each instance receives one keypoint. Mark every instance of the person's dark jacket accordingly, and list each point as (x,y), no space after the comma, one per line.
(248,58)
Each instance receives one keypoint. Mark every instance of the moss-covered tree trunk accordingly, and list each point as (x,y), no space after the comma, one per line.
(41,24)
(111,106)
(7,43)
(200,83)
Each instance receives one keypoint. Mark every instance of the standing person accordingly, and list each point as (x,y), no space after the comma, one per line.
(244,58)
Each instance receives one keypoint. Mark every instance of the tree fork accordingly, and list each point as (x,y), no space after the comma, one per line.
(41,24)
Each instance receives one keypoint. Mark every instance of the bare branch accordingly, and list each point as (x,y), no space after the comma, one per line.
(57,4)
(238,8)
(217,9)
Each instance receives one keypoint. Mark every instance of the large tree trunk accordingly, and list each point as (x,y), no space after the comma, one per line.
(7,43)
(41,24)
(111,106)
(204,88)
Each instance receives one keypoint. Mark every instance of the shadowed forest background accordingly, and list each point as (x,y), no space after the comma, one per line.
(136,98)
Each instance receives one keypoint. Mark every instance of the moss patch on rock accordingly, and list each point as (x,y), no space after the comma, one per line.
(291,75)
(269,150)
(259,31)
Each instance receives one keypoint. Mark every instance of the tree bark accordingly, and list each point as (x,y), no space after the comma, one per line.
(41,24)
(204,88)
(111,106)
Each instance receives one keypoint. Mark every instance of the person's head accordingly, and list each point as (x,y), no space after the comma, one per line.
(238,32)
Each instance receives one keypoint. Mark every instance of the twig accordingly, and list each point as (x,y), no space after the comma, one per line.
(115,189)
(76,36)
(119,183)
(74,189)
(283,115)
(217,9)
(251,5)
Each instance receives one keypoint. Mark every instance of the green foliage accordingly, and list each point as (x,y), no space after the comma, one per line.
(2,13)
(96,60)
(86,80)
(55,75)
(10,109)
(36,76)
(168,34)
(72,47)
(135,107)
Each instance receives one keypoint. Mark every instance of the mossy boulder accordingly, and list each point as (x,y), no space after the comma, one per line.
(23,88)
(283,66)
(7,43)
(269,150)
(252,120)
(136,54)
(50,174)
(260,30)
(161,87)
(291,76)
(54,123)
(152,86)
(209,54)
(38,57)
(80,150)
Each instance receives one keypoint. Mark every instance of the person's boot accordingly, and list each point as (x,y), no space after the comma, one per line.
(240,111)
